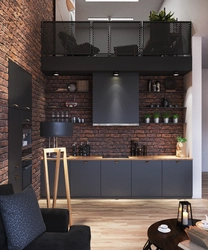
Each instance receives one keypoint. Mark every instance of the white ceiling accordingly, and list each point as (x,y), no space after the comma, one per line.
(186,10)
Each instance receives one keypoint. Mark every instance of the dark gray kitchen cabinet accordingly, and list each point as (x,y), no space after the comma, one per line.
(51,173)
(19,123)
(146,178)
(85,178)
(177,178)
(20,87)
(16,179)
(115,178)
(15,140)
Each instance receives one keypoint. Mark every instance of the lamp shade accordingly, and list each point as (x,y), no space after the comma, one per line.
(56,129)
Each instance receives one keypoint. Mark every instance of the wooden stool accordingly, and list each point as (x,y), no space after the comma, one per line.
(58,152)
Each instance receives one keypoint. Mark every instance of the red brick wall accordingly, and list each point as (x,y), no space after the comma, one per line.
(20,39)
(159,138)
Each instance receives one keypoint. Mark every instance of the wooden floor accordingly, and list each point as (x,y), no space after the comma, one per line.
(122,224)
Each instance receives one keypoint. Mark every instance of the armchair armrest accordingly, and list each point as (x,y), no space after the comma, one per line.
(56,219)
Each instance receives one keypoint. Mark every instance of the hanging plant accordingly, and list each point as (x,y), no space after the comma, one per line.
(162,16)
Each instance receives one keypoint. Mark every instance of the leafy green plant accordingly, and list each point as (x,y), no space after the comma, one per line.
(161,16)
(147,116)
(175,116)
(156,115)
(166,115)
(181,139)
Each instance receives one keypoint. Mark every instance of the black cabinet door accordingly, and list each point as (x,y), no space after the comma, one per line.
(20,87)
(51,173)
(146,178)
(15,140)
(177,178)
(115,178)
(16,179)
(85,178)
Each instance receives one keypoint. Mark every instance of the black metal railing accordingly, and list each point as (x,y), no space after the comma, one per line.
(116,38)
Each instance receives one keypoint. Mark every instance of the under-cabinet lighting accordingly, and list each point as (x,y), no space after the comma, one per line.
(175,74)
(112,1)
(115,73)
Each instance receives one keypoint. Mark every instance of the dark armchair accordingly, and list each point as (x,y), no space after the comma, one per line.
(56,235)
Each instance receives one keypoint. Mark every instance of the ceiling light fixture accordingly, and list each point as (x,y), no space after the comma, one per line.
(115,73)
(98,19)
(112,1)
(175,74)
(56,73)
(121,19)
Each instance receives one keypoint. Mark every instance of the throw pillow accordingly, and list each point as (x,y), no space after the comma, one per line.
(22,218)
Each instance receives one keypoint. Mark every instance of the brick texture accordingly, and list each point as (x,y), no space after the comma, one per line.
(20,41)
(160,139)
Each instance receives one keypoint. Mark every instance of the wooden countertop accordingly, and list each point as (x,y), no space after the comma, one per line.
(144,158)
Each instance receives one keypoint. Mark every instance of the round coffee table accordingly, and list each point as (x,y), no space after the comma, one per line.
(166,241)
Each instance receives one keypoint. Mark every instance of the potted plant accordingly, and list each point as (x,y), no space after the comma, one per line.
(175,118)
(161,16)
(180,147)
(166,117)
(156,117)
(147,118)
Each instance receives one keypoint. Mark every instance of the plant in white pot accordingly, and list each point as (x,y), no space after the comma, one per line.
(166,117)
(156,117)
(147,118)
(180,146)
(175,118)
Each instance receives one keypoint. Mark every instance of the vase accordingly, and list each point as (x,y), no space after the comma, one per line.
(166,120)
(156,120)
(180,149)
(147,120)
(175,120)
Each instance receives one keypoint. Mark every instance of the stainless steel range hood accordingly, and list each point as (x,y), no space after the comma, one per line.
(115,99)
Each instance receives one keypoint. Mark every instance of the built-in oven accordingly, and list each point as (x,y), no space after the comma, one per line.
(26,155)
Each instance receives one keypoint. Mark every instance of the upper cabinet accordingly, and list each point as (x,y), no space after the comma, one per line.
(20,84)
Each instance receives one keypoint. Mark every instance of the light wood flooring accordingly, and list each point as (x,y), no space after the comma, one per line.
(122,224)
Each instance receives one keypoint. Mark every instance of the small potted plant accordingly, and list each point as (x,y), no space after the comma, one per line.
(166,117)
(175,118)
(180,148)
(147,118)
(156,117)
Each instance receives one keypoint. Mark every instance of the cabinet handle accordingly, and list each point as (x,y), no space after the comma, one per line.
(16,177)
(85,162)
(28,108)
(15,105)
(177,161)
(146,161)
(16,166)
(27,120)
(116,162)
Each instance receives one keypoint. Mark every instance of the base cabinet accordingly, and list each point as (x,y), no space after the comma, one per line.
(115,178)
(51,173)
(122,179)
(177,178)
(146,179)
(85,178)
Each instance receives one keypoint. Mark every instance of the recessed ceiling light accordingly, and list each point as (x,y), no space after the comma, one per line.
(112,1)
(98,18)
